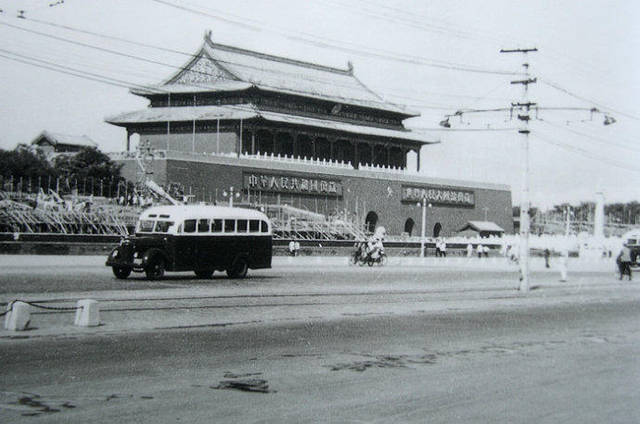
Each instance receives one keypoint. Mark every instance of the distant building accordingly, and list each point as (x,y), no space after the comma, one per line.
(56,143)
(287,132)
(482,229)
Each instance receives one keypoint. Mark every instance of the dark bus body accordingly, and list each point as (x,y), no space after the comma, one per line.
(202,239)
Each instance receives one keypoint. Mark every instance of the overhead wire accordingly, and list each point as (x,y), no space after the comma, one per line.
(183,68)
(597,157)
(69,71)
(234,22)
(591,137)
(339,45)
(600,105)
(554,54)
(191,55)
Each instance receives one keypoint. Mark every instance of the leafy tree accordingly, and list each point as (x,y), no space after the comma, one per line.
(89,171)
(88,163)
(25,161)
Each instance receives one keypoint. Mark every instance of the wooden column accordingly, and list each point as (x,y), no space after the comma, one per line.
(253,142)
(295,136)
(356,158)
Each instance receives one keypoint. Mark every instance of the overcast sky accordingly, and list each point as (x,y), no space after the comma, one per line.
(435,56)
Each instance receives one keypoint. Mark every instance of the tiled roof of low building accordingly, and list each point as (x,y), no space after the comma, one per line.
(71,140)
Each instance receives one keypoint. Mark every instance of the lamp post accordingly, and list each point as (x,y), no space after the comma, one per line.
(424,222)
(231,193)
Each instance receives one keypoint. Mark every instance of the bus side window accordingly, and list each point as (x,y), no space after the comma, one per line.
(216,226)
(264,227)
(203,225)
(229,225)
(254,226)
(242,225)
(190,226)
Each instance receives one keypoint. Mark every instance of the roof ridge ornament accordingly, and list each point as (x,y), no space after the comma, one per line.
(350,67)
(207,35)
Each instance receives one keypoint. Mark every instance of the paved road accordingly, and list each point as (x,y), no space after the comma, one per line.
(446,343)
(567,363)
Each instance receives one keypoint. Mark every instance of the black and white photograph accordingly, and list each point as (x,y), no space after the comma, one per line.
(320,211)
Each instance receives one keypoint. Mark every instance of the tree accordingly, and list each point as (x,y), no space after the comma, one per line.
(88,168)
(25,161)
(87,163)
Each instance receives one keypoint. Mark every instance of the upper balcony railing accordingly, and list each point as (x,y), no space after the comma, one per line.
(271,157)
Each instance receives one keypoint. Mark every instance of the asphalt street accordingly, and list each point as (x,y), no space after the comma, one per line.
(303,343)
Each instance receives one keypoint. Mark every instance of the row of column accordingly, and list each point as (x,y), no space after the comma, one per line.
(323,148)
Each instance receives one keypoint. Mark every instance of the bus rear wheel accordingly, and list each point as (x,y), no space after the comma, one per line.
(121,272)
(238,269)
(204,273)
(155,269)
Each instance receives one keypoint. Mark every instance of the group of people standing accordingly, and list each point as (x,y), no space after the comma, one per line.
(482,251)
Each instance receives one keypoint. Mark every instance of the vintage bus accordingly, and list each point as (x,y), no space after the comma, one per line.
(195,238)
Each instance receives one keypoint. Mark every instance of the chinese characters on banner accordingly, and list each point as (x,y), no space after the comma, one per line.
(291,184)
(439,195)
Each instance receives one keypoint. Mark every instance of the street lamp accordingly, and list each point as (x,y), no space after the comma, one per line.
(231,193)
(424,222)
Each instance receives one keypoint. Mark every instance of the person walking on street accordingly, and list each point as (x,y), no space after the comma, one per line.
(480,250)
(547,253)
(624,261)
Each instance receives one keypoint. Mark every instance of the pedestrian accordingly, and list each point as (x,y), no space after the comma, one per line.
(480,250)
(438,248)
(469,250)
(297,248)
(292,248)
(547,254)
(485,250)
(564,259)
(624,261)
(443,248)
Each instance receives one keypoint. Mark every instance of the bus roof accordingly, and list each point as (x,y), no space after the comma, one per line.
(180,212)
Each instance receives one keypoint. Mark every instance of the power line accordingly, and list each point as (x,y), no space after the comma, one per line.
(328,43)
(566,91)
(597,157)
(79,74)
(190,55)
(607,143)
(182,68)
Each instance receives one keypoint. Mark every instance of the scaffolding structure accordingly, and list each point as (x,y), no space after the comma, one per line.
(50,213)
(293,223)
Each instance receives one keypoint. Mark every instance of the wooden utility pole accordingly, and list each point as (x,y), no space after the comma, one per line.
(524,108)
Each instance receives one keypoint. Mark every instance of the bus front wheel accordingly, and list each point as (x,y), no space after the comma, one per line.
(155,269)
(121,272)
(238,269)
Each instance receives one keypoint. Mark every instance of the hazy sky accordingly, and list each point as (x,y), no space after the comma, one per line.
(437,57)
